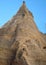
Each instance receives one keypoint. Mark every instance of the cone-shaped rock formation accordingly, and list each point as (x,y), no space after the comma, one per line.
(20,41)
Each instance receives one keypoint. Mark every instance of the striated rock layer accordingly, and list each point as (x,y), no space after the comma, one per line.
(20,41)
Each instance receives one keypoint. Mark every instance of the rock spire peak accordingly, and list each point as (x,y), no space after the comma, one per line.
(23,2)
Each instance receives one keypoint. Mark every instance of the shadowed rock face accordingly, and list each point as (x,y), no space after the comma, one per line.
(20,41)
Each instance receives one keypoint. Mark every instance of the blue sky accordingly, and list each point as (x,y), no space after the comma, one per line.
(8,8)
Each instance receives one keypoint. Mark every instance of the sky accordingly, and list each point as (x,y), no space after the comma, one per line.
(8,8)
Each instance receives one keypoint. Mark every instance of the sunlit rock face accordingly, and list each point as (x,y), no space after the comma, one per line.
(20,41)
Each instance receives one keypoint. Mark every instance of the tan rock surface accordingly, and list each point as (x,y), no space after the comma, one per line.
(20,41)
